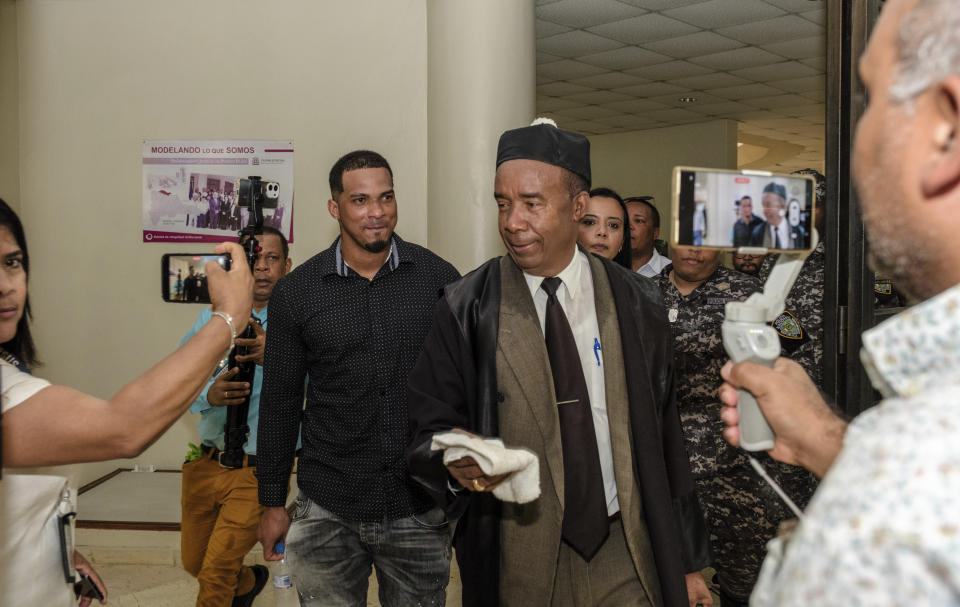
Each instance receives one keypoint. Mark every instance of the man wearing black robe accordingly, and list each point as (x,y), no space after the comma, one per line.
(484,368)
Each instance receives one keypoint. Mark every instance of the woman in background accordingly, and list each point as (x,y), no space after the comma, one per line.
(603,227)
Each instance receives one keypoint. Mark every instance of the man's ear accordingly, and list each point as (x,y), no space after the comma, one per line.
(942,173)
(334,208)
(580,205)
(656,233)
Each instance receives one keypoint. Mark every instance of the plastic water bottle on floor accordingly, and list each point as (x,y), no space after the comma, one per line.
(283,590)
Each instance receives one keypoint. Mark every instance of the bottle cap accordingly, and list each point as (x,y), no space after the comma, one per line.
(278,548)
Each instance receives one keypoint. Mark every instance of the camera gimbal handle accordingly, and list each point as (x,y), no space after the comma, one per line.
(748,335)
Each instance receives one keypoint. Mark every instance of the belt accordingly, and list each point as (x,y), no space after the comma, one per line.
(215,454)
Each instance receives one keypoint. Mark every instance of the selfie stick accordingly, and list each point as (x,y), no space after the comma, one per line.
(748,335)
(236,428)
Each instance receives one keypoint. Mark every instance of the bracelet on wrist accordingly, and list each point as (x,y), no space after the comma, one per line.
(233,335)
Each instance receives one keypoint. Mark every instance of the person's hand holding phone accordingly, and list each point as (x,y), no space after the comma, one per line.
(231,291)
(807,432)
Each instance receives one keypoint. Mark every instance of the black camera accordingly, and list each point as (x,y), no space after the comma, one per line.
(253,191)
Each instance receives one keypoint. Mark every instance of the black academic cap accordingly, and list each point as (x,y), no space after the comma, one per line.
(544,142)
(777,189)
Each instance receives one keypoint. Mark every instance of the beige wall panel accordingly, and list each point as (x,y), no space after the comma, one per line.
(641,163)
(99,76)
(9,105)
(482,82)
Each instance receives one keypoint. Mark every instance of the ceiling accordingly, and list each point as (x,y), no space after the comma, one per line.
(612,66)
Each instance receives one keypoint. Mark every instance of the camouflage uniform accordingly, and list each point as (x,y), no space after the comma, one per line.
(805,303)
(801,338)
(741,510)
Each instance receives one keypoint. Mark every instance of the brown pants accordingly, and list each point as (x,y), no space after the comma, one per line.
(220,514)
(608,580)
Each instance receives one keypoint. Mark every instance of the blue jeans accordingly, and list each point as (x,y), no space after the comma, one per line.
(330,558)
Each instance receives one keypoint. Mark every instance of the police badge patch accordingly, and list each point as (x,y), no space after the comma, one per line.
(885,294)
(790,331)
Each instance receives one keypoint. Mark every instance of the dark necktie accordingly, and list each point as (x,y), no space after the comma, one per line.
(585,521)
(776,238)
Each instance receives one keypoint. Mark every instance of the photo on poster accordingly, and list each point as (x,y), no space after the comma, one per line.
(190,188)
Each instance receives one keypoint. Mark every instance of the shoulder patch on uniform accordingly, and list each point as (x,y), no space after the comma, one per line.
(788,326)
(723,286)
(884,287)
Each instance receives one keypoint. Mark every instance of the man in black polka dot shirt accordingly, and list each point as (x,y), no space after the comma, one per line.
(345,329)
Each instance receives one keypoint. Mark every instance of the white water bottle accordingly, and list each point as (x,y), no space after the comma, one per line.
(283,590)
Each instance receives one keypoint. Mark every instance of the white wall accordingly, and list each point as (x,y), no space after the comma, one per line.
(99,76)
(9,106)
(92,78)
(640,163)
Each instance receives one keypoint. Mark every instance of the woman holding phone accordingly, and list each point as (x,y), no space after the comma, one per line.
(50,425)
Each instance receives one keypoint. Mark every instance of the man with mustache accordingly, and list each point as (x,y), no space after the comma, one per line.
(748,264)
(349,323)
(568,355)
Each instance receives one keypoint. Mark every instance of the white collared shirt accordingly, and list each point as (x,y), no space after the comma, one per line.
(577,300)
(783,231)
(653,267)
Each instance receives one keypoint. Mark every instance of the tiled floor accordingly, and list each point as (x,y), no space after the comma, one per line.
(143,569)
(170,586)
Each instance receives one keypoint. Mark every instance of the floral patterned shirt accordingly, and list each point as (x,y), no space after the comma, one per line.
(884,526)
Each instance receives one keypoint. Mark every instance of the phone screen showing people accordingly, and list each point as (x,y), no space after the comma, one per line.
(730,209)
(183,276)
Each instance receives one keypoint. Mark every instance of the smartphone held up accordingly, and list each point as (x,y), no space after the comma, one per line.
(742,210)
(183,276)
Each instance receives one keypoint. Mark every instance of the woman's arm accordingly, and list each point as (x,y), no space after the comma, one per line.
(60,425)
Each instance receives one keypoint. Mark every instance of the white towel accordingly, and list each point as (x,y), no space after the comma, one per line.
(523,484)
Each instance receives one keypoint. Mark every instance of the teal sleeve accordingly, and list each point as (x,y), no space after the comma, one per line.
(201,404)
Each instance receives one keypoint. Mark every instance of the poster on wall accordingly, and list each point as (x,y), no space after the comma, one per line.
(190,188)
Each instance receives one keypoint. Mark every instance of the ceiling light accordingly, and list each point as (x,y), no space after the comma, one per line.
(687,99)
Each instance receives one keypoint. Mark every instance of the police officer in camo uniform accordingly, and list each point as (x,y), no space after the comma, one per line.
(800,328)
(742,512)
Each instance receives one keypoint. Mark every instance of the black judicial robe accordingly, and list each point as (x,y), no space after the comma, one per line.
(454,385)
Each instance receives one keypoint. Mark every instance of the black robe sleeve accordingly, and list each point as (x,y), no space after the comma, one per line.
(440,393)
(453,385)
